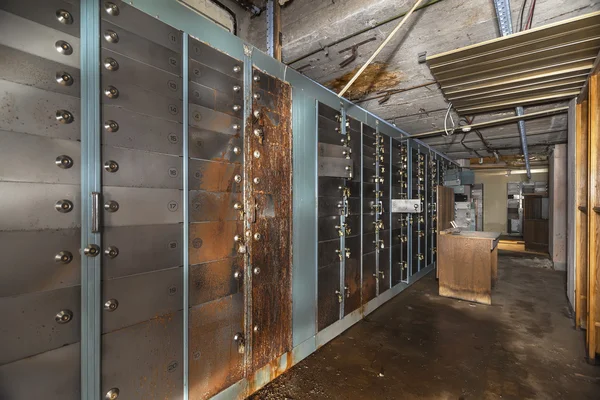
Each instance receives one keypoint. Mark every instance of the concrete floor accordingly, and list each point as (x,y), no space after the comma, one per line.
(422,346)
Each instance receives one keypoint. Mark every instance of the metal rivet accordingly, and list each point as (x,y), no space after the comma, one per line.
(237,178)
(256,114)
(112,394)
(64,316)
(64,78)
(111,166)
(111,251)
(63,206)
(237,238)
(111,126)
(111,305)
(256,180)
(237,108)
(256,78)
(255,328)
(64,162)
(256,96)
(258,132)
(64,17)
(256,270)
(64,117)
(236,150)
(235,127)
(64,48)
(63,257)
(238,206)
(256,154)
(257,236)
(111,64)
(237,88)
(111,36)
(111,92)
(91,250)
(237,69)
(248,234)
(111,9)
(111,206)
(237,274)
(242,249)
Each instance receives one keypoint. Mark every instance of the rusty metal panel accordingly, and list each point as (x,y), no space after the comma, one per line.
(215,176)
(214,357)
(270,160)
(144,361)
(369,284)
(211,206)
(384,266)
(328,252)
(213,280)
(329,228)
(215,100)
(211,241)
(215,146)
(328,300)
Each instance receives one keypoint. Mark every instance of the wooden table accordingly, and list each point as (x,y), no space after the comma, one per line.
(468,264)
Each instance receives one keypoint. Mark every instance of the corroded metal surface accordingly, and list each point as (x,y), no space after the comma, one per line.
(269,214)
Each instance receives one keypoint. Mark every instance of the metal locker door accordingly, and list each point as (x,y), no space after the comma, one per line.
(142,205)
(217,344)
(371,210)
(40,209)
(269,218)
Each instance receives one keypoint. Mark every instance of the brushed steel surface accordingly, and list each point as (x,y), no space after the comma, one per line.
(327,112)
(335,167)
(30,110)
(33,328)
(143,206)
(139,168)
(216,79)
(215,59)
(328,304)
(156,293)
(31,206)
(211,206)
(215,362)
(213,240)
(206,119)
(45,13)
(144,25)
(328,252)
(369,283)
(214,100)
(327,228)
(140,48)
(330,206)
(28,69)
(213,280)
(215,176)
(30,158)
(143,101)
(29,263)
(54,374)
(142,249)
(145,361)
(216,146)
(130,71)
(30,37)
(141,132)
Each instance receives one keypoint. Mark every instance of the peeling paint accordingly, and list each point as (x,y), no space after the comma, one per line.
(375,78)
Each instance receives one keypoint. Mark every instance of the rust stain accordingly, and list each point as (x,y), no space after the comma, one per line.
(375,78)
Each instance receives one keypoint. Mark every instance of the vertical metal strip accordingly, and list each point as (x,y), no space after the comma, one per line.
(409,217)
(271,27)
(186,219)
(345,201)
(390,197)
(378,207)
(247,127)
(362,201)
(426,252)
(90,183)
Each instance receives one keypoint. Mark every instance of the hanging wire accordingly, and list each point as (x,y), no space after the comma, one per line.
(451,120)
(521,15)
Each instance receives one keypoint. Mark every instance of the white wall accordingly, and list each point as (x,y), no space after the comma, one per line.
(495,195)
(557,190)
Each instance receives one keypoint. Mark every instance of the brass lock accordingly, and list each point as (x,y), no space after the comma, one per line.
(420,257)
(347,251)
(339,253)
(346,192)
(339,296)
(341,229)
(240,208)
(347,291)
(382,274)
(402,265)
(402,238)
(239,339)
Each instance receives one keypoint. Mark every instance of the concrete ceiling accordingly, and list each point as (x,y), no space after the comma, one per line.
(311,25)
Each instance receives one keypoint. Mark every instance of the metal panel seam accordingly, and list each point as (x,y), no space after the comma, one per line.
(186,219)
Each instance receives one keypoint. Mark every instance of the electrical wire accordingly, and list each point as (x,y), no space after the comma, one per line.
(530,17)
(451,120)
(521,15)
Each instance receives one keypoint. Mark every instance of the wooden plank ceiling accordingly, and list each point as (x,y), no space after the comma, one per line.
(541,65)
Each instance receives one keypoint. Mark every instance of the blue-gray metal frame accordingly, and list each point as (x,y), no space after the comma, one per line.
(362,204)
(186,219)
(409,188)
(389,207)
(90,183)
(344,131)
(378,207)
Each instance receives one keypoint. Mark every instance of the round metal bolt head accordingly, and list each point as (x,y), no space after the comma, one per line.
(111,9)
(111,64)
(64,78)
(237,69)
(111,252)
(63,257)
(111,36)
(111,92)
(257,236)
(256,114)
(64,48)
(91,250)
(256,96)
(112,394)
(256,270)
(64,162)
(111,126)
(64,17)
(256,180)
(237,88)
(236,150)
(63,316)
(64,117)
(63,206)
(111,206)
(111,305)
(256,154)
(256,78)
(111,166)
(237,107)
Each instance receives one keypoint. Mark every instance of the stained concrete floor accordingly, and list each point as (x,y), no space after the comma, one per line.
(422,346)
